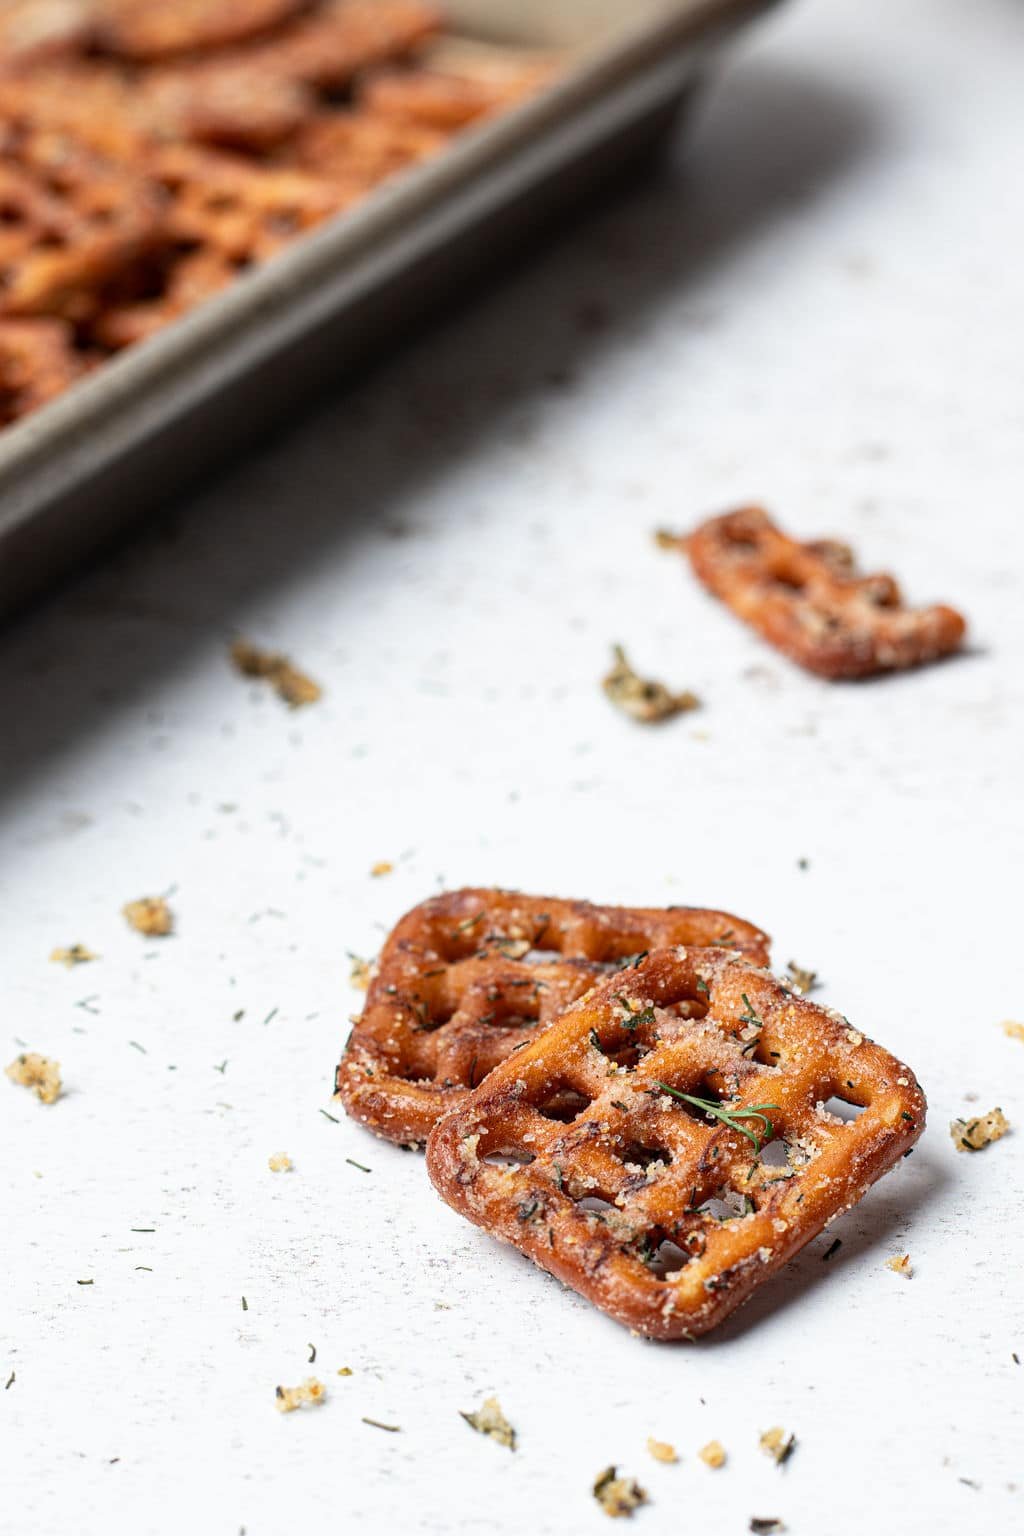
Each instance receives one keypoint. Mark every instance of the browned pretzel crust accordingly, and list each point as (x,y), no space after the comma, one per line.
(809,602)
(37,363)
(665,1217)
(470,976)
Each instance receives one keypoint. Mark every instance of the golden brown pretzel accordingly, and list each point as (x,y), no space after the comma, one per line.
(665,1213)
(809,602)
(437,98)
(145,30)
(470,976)
(328,48)
(356,151)
(37,362)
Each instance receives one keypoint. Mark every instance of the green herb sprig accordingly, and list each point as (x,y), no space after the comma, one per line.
(730,1117)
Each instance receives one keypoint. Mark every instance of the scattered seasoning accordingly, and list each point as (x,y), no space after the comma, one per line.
(382,867)
(802,981)
(392,1429)
(149,915)
(311,1392)
(147,1267)
(803,863)
(245,1305)
(775,1443)
(972,1135)
(661,1450)
(74,954)
(290,685)
(345,1370)
(617,1495)
(142,1229)
(489,1420)
(712,1454)
(280,1162)
(730,1117)
(900,1264)
(1012,1030)
(1015,1357)
(136,1046)
(360,972)
(763,1525)
(39,1073)
(312,1354)
(271,1015)
(9,1383)
(968,1482)
(361,1166)
(238,1014)
(640,698)
(85,1282)
(332,1118)
(221,1067)
(833,1248)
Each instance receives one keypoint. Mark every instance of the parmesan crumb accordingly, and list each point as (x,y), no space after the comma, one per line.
(854,1037)
(775,1443)
(489,1420)
(972,1135)
(801,980)
(360,972)
(37,1072)
(661,1450)
(617,1495)
(1013,1030)
(290,685)
(900,1264)
(149,915)
(310,1393)
(382,867)
(345,1370)
(641,698)
(279,1162)
(74,954)
(712,1454)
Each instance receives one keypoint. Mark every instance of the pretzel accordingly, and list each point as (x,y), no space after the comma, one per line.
(37,362)
(226,104)
(356,152)
(146,30)
(436,98)
(469,977)
(35,31)
(578,1151)
(191,278)
(342,37)
(809,602)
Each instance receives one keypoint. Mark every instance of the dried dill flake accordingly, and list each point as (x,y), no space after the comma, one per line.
(489,1420)
(712,1454)
(31,1070)
(309,1394)
(279,1162)
(74,954)
(661,1450)
(617,1495)
(640,698)
(972,1135)
(900,1264)
(774,1443)
(802,981)
(149,915)
(291,685)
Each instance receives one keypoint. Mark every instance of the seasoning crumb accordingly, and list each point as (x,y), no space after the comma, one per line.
(641,698)
(489,1420)
(290,685)
(617,1495)
(666,539)
(74,954)
(149,915)
(382,867)
(311,1392)
(763,1525)
(280,1162)
(802,981)
(900,1264)
(661,1450)
(972,1135)
(1013,1030)
(30,1070)
(392,1429)
(360,972)
(712,1454)
(9,1383)
(345,1370)
(775,1443)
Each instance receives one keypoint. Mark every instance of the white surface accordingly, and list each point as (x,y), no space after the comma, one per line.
(819,305)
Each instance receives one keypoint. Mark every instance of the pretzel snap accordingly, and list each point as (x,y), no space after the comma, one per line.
(808,600)
(37,363)
(328,48)
(668,1144)
(145,30)
(471,976)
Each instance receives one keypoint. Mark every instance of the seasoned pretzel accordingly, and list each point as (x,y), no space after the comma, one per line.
(437,99)
(342,37)
(35,31)
(810,603)
(147,30)
(190,279)
(356,151)
(578,1151)
(223,103)
(37,362)
(468,977)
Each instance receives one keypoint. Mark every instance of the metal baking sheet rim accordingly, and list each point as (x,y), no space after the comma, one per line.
(138,393)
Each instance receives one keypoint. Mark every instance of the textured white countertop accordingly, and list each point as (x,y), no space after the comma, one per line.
(819,305)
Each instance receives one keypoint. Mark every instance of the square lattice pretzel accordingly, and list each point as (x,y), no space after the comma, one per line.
(470,976)
(668,1211)
(809,601)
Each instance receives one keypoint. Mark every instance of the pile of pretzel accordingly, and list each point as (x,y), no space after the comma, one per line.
(151,150)
(627,1095)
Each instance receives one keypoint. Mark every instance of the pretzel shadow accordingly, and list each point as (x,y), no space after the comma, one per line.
(770,142)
